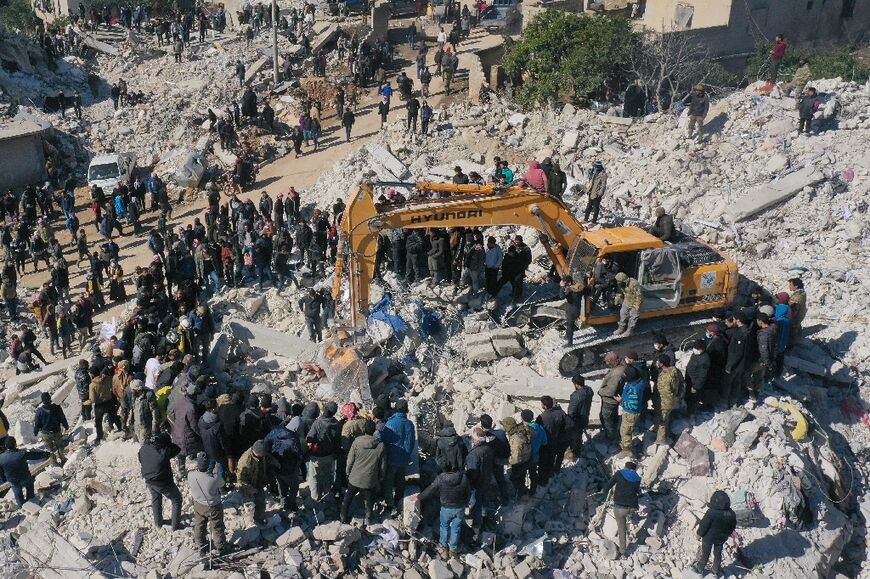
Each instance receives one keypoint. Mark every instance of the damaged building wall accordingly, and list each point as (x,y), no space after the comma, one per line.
(731,28)
(22,158)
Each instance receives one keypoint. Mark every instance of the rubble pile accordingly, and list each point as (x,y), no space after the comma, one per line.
(777,202)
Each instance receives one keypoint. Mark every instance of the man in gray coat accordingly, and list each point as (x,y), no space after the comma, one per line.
(365,469)
(205,492)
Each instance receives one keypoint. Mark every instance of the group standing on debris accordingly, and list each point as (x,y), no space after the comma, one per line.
(151,382)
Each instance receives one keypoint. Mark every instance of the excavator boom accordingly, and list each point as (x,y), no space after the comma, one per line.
(467,206)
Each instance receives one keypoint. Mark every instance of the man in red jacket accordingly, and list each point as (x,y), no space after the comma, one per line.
(777,53)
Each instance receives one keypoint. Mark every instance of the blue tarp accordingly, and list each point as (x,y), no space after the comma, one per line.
(430,321)
(380,312)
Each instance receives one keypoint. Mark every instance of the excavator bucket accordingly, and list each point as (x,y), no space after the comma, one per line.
(345,371)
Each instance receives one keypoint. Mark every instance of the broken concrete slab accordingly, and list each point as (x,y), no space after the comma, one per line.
(654,466)
(768,195)
(391,167)
(280,343)
(252,70)
(624,121)
(49,552)
(22,381)
(559,388)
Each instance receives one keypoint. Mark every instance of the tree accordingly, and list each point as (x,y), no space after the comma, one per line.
(568,53)
(16,15)
(840,63)
(669,63)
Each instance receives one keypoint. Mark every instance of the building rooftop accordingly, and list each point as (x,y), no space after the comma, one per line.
(22,125)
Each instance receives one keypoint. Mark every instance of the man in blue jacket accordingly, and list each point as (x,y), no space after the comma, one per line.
(626,488)
(15,471)
(400,437)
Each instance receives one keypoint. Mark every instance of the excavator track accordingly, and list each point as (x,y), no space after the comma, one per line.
(587,354)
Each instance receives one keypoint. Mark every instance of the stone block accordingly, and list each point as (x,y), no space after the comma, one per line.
(507,347)
(335,531)
(570,139)
(438,569)
(522,570)
(481,353)
(518,120)
(697,489)
(292,536)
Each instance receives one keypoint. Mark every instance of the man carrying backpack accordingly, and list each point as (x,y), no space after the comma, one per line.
(632,396)
(626,488)
(520,440)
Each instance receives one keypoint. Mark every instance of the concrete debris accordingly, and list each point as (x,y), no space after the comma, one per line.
(766,196)
(745,186)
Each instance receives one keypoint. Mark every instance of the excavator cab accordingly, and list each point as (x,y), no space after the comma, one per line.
(660,275)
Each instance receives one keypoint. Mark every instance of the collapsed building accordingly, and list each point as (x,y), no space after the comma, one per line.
(795,464)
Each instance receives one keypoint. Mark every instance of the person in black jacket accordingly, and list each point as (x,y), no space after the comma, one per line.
(735,361)
(252,424)
(717,349)
(213,442)
(324,444)
(15,471)
(767,342)
(453,492)
(578,411)
(450,451)
(229,414)
(49,424)
(479,466)
(553,419)
(155,457)
(714,529)
(626,488)
(697,371)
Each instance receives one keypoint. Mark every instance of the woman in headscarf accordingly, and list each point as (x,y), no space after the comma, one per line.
(117,292)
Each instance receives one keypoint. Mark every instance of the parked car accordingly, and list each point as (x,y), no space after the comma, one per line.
(106,171)
(500,15)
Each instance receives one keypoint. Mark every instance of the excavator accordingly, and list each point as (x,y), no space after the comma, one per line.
(681,276)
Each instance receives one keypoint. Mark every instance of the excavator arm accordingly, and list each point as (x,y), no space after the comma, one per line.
(467,206)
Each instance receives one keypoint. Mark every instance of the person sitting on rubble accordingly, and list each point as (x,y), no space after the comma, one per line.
(535,177)
(664,225)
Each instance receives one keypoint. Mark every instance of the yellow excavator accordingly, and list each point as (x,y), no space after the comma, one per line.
(681,276)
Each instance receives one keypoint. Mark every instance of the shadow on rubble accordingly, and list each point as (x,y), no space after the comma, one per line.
(788,543)
(116,554)
(267,181)
(716,124)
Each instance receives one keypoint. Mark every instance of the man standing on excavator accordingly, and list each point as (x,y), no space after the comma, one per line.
(632,298)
